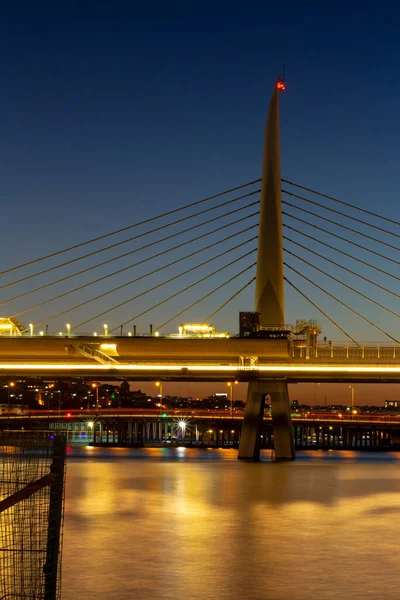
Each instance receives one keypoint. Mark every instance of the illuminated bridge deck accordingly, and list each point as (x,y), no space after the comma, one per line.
(146,358)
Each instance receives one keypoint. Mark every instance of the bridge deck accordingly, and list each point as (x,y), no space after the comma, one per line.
(142,358)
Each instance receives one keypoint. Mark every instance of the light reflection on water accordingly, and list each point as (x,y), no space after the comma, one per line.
(167,523)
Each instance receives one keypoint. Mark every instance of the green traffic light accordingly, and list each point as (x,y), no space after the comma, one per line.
(165,415)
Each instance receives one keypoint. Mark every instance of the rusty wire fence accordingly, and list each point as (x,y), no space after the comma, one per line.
(32,474)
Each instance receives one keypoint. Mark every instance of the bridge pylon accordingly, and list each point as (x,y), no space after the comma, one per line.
(269,300)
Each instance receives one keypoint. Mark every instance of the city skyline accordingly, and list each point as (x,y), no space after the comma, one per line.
(306,393)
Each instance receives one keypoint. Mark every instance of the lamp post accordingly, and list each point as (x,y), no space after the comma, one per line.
(352,395)
(160,395)
(68,326)
(230,386)
(96,387)
(11,385)
(105,329)
(315,394)
(31,328)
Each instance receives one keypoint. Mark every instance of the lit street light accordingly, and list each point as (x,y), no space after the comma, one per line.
(11,385)
(68,326)
(230,386)
(91,427)
(96,387)
(160,395)
(182,427)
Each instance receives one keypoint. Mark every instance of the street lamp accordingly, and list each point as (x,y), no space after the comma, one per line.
(230,386)
(105,329)
(10,385)
(160,395)
(96,387)
(182,427)
(352,395)
(68,326)
(31,328)
(91,428)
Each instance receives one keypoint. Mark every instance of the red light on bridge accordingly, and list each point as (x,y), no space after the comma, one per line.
(280,85)
(68,415)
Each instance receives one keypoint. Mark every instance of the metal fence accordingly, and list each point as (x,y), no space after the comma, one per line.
(32,473)
(343,351)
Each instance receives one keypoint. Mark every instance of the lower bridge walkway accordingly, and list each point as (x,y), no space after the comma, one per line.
(140,427)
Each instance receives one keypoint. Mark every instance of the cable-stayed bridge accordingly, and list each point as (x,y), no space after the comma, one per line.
(238,256)
(81,311)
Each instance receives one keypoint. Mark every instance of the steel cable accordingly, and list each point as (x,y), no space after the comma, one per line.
(342,283)
(368,212)
(363,262)
(187,288)
(321,311)
(202,298)
(74,260)
(335,235)
(145,222)
(342,303)
(338,212)
(341,266)
(369,237)
(146,291)
(134,264)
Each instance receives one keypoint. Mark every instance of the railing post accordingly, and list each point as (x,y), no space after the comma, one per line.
(362,352)
(347,351)
(55,518)
(331,350)
(379,351)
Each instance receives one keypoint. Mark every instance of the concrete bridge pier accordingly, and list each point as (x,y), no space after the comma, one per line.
(250,439)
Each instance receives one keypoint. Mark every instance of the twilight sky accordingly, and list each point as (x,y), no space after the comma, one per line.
(113,112)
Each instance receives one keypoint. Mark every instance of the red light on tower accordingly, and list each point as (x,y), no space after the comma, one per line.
(280,85)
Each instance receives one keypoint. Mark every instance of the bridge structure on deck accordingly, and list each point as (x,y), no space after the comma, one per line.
(270,234)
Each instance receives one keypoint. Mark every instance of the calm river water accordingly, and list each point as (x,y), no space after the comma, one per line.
(184,523)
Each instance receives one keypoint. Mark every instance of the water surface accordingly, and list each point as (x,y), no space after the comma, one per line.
(172,523)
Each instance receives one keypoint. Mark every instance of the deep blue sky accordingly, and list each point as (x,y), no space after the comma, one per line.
(112,112)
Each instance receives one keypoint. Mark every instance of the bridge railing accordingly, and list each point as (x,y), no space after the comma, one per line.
(332,351)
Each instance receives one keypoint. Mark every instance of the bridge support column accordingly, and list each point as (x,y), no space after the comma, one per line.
(249,448)
(269,300)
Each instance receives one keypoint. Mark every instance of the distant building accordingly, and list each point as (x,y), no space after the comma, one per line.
(392,404)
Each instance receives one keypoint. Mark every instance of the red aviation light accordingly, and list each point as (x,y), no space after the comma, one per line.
(280,86)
